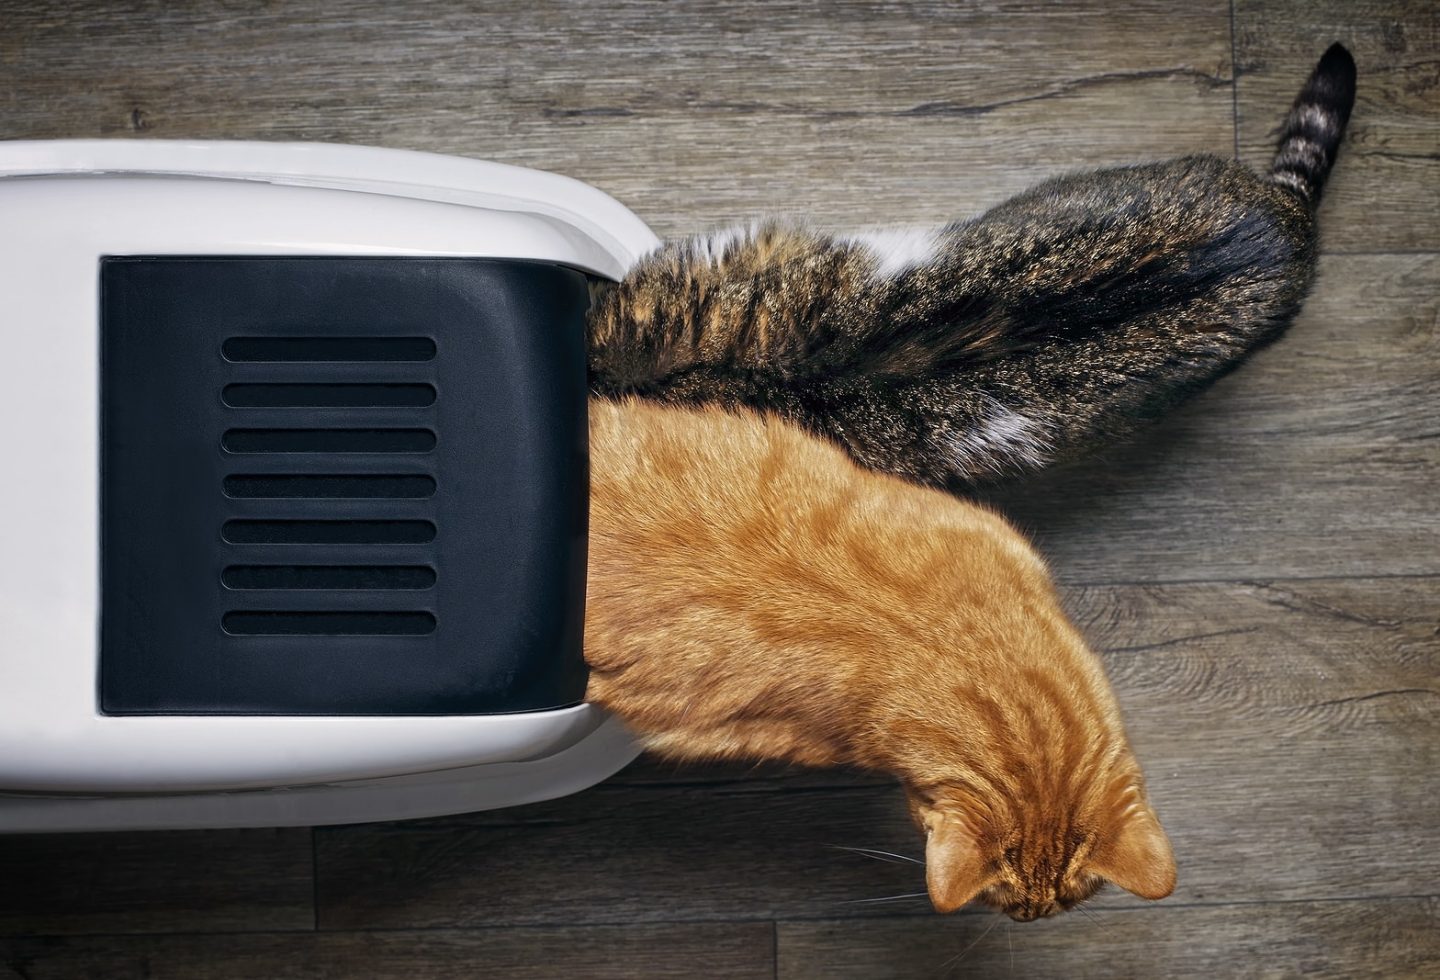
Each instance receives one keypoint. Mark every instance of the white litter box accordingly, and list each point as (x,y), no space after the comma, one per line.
(294,494)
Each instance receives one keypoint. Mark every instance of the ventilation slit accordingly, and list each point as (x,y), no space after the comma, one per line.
(329,441)
(337,395)
(328,532)
(244,349)
(328,577)
(281,623)
(331,487)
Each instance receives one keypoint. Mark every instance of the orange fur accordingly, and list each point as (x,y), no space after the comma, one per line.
(754,594)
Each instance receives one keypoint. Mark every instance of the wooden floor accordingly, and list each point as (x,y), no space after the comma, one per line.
(1261,570)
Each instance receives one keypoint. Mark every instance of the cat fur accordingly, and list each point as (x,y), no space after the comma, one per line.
(1053,325)
(754,594)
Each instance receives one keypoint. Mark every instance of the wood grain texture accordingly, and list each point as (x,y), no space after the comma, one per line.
(1270,617)
(1318,457)
(1386,191)
(191,881)
(1340,940)
(1291,732)
(741,950)
(692,113)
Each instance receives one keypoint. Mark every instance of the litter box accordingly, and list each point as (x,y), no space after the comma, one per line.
(294,496)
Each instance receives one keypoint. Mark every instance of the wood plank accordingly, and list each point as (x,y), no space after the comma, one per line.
(649,770)
(1291,732)
(187,881)
(612,855)
(1281,724)
(1286,725)
(744,950)
(1386,191)
(693,113)
(1318,457)
(1347,939)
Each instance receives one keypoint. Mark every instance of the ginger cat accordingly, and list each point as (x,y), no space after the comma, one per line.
(753,593)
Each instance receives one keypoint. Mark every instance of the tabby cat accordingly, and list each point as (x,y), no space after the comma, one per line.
(1057,322)
(754,594)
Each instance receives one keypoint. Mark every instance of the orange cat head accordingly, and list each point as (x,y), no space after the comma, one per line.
(1044,858)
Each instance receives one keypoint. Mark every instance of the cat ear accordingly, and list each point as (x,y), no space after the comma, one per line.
(1138,858)
(954,867)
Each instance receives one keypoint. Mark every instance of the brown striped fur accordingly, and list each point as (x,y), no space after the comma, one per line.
(1055,324)
(753,594)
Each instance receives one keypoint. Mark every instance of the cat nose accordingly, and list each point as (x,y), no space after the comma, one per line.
(1029,913)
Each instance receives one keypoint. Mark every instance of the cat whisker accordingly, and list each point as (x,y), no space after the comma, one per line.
(889,857)
(1092,916)
(954,961)
(887,898)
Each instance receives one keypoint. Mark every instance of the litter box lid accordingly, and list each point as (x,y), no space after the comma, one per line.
(71,209)
(554,217)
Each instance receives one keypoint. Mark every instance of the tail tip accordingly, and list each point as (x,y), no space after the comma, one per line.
(1316,124)
(1338,65)
(1337,55)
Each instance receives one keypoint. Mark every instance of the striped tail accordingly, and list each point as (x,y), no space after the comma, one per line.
(1316,123)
